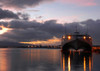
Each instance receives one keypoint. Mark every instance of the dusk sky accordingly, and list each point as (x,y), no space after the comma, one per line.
(43,21)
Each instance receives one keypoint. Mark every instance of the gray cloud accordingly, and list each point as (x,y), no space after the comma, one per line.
(19,4)
(7,14)
(23,16)
(24,30)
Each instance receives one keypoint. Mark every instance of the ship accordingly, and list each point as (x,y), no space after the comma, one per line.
(76,41)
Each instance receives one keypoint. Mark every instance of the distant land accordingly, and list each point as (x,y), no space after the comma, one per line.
(8,44)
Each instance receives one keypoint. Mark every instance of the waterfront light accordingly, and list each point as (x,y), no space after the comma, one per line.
(64,37)
(89,37)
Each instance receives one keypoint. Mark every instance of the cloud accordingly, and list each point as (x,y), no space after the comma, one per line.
(34,30)
(9,15)
(23,16)
(26,31)
(20,4)
(80,2)
(6,14)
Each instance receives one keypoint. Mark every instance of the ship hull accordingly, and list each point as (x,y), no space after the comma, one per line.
(77,44)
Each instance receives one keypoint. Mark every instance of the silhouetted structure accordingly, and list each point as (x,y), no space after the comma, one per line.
(77,41)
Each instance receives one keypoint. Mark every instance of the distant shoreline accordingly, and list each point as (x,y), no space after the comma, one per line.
(44,47)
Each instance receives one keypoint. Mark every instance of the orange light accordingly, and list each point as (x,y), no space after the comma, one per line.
(84,37)
(64,37)
(89,37)
(3,30)
(69,37)
(52,41)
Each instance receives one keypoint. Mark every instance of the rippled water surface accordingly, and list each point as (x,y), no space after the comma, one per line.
(14,59)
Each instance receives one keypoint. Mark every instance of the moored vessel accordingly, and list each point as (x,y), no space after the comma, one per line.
(77,41)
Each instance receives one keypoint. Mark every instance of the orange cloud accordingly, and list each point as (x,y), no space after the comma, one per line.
(80,2)
(53,41)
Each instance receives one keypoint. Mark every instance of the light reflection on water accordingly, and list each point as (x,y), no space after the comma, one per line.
(47,60)
(77,61)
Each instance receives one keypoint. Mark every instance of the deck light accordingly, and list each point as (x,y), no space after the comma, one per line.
(69,37)
(84,37)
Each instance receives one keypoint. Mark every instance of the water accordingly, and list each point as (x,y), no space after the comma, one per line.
(14,59)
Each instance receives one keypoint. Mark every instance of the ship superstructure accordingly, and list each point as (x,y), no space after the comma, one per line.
(77,41)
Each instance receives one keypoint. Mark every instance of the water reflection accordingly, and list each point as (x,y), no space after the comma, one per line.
(29,60)
(77,61)
(4,60)
(47,60)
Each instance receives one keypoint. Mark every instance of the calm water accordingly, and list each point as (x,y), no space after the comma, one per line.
(47,60)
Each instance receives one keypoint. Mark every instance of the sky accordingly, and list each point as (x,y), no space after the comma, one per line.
(43,21)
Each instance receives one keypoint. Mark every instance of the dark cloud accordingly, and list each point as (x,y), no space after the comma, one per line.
(20,4)
(9,43)
(24,30)
(7,14)
(24,16)
(93,28)
(0,28)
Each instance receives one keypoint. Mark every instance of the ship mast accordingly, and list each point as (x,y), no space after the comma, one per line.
(87,29)
(65,29)
(76,27)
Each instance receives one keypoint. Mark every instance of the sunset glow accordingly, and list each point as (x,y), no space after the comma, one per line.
(84,64)
(52,41)
(3,30)
(49,35)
